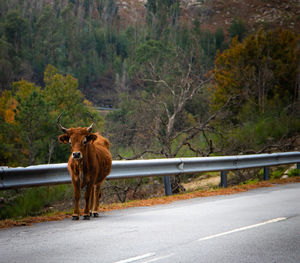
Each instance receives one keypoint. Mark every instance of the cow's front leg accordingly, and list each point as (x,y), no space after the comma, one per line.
(76,187)
(87,196)
(92,200)
(97,195)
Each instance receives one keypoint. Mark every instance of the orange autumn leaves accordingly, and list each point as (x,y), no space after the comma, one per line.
(262,68)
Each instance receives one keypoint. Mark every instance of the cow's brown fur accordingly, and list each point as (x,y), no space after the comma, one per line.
(90,170)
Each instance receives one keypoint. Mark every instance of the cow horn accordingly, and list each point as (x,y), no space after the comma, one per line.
(64,130)
(92,125)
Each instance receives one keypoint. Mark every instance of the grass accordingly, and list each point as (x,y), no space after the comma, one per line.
(31,201)
(251,182)
(294,172)
(55,216)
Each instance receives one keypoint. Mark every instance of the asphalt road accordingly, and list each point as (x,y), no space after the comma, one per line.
(261,225)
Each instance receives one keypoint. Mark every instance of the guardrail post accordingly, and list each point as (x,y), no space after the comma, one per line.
(266,173)
(168,187)
(298,167)
(223,182)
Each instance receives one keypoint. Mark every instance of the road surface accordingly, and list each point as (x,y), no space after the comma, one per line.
(261,225)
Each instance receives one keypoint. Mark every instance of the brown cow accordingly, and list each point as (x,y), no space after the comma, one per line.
(89,163)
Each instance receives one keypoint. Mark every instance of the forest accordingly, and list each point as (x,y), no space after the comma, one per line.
(176,89)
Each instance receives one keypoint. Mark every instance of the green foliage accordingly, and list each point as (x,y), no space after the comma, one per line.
(28,116)
(264,67)
(154,117)
(9,63)
(59,35)
(151,50)
(88,40)
(258,78)
(15,28)
(237,29)
(29,202)
(251,181)
(294,172)
(162,16)
(85,39)
(277,174)
(208,43)
(220,39)
(161,63)
(32,116)
(254,133)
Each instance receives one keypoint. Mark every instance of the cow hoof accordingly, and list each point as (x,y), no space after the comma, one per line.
(75,217)
(95,214)
(86,217)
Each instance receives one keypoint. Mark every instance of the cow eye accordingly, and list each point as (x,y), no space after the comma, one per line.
(70,142)
(84,141)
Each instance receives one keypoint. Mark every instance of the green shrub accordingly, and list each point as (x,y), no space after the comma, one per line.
(276,174)
(251,181)
(31,201)
(294,172)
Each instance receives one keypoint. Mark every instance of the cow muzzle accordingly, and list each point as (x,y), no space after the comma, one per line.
(77,155)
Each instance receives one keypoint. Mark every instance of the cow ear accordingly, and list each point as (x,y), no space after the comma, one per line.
(91,137)
(64,138)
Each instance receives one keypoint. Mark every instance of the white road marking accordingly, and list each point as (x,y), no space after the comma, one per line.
(158,258)
(243,228)
(128,260)
(149,255)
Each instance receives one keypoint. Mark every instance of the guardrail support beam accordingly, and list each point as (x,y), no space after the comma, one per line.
(168,187)
(223,182)
(266,173)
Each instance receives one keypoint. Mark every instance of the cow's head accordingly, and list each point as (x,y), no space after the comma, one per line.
(78,138)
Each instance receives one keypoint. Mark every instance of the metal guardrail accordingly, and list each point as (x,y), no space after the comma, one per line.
(57,173)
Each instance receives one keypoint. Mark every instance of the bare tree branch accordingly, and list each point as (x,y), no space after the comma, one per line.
(281,146)
(139,155)
(201,127)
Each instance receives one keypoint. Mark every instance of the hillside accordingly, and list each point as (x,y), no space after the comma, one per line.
(95,40)
(214,14)
(220,13)
(256,13)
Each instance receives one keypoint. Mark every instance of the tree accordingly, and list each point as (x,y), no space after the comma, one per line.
(156,119)
(48,41)
(261,76)
(32,116)
(7,65)
(162,15)
(9,139)
(28,116)
(15,29)
(260,69)
(62,95)
(237,29)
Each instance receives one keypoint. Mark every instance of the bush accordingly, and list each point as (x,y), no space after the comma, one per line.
(27,202)
(277,174)
(237,29)
(294,172)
